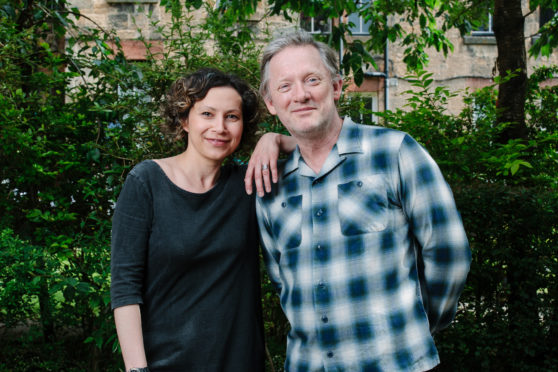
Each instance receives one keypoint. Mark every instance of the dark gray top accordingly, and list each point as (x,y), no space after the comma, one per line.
(191,261)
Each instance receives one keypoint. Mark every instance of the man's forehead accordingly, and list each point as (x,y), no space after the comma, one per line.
(294,50)
(297,59)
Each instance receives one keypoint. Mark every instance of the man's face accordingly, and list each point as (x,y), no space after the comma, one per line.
(301,91)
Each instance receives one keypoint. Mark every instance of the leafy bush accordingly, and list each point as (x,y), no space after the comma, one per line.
(507,319)
(74,120)
(508,198)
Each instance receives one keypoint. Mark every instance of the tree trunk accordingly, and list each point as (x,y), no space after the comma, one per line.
(45,306)
(508,24)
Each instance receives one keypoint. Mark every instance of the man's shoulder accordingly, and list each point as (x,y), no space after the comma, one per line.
(377,131)
(373,138)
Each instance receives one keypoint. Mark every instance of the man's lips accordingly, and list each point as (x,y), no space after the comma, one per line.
(303,110)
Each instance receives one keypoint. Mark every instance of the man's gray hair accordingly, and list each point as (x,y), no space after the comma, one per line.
(295,39)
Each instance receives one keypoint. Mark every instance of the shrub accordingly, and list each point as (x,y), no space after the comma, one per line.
(66,148)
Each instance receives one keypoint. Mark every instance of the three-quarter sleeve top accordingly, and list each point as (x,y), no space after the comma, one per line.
(191,262)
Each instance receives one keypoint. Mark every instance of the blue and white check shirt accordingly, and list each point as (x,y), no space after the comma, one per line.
(369,256)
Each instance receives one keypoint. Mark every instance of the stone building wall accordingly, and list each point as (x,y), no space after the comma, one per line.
(471,65)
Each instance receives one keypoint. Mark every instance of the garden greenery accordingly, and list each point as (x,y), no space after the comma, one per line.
(75,118)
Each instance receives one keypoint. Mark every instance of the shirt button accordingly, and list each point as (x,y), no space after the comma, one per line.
(319,212)
(325,319)
(319,247)
(330,354)
(359,183)
(283,204)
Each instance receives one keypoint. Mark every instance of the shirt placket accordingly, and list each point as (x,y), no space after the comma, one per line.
(321,256)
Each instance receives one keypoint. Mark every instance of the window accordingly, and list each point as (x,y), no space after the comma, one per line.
(360,26)
(545,16)
(322,25)
(315,25)
(486,29)
(361,107)
(483,35)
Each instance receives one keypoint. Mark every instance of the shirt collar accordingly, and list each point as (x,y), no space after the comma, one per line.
(348,142)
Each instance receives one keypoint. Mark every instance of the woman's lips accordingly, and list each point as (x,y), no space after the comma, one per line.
(217,142)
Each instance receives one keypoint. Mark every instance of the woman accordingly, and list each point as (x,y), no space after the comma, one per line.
(185,276)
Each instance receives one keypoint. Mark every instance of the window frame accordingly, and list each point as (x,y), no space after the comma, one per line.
(488,32)
(313,29)
(373,106)
(361,29)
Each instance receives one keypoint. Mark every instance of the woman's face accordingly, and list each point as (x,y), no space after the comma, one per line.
(215,124)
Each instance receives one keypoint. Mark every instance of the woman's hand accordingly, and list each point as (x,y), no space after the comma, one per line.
(262,167)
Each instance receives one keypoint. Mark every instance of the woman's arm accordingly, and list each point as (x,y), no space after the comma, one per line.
(128,327)
(266,152)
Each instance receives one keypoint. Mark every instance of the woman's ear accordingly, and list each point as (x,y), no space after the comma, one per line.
(185,125)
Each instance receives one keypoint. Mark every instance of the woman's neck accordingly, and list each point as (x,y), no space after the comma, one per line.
(191,173)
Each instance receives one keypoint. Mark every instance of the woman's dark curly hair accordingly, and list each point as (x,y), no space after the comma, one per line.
(187,90)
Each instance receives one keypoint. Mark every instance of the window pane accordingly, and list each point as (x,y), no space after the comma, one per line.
(306,23)
(316,25)
(322,24)
(360,26)
(355,19)
(361,107)
(545,15)
(485,29)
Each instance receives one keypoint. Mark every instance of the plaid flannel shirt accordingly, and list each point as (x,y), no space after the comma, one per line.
(369,256)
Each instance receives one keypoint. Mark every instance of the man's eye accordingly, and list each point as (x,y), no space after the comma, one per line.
(313,80)
(283,87)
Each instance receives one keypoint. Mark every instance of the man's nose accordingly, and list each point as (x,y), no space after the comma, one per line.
(301,92)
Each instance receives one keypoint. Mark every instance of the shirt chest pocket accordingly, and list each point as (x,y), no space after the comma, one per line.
(363,206)
(288,224)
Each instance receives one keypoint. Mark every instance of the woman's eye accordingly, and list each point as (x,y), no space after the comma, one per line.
(233,117)
(206,113)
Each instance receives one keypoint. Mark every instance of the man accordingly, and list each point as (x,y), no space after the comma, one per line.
(361,235)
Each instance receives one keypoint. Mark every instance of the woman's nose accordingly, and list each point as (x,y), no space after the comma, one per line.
(219,125)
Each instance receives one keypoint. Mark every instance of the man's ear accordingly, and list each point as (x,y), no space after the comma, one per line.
(337,87)
(269,105)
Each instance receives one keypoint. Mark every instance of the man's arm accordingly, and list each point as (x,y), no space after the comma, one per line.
(444,255)
(266,152)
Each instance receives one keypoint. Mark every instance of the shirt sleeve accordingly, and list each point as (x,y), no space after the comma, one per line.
(443,252)
(131,225)
(271,254)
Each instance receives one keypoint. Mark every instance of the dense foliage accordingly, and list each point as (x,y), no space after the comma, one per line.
(75,118)
(507,195)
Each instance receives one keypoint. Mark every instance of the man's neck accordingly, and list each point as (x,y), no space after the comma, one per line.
(315,151)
